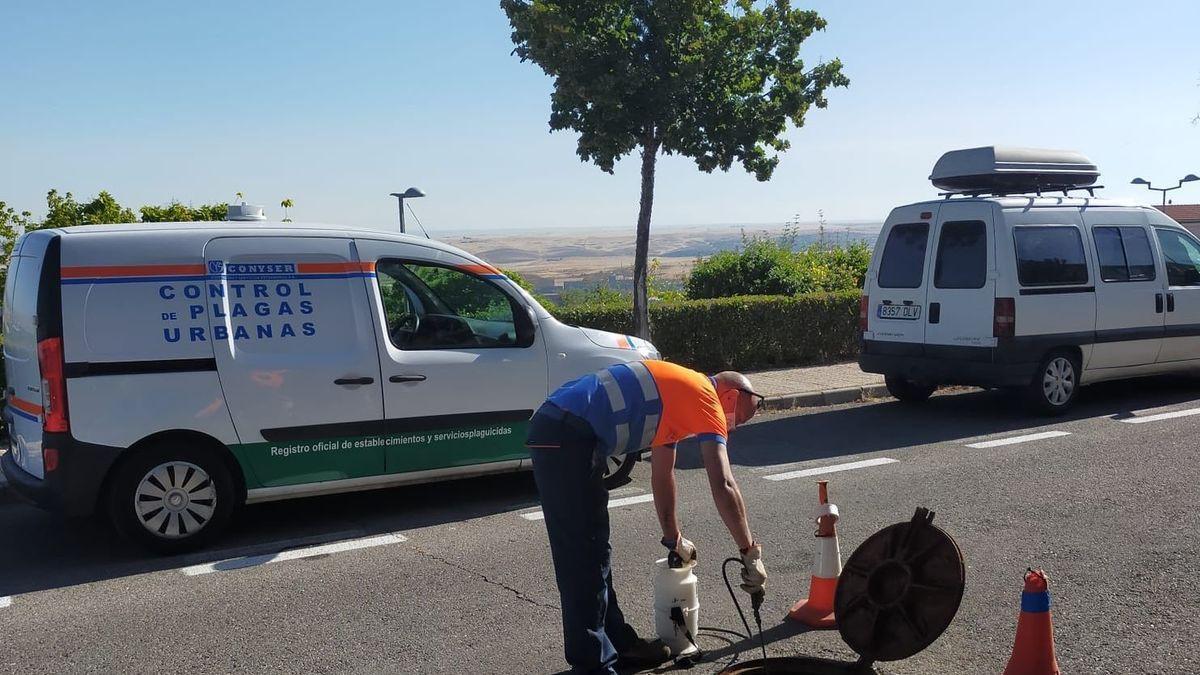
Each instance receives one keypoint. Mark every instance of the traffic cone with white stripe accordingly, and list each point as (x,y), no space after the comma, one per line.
(816,611)
(1033,650)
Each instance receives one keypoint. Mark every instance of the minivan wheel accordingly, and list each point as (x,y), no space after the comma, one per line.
(171,498)
(908,391)
(617,469)
(1055,384)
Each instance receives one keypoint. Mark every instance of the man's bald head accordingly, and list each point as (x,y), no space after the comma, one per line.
(738,398)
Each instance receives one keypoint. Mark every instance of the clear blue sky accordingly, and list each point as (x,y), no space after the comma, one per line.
(336,104)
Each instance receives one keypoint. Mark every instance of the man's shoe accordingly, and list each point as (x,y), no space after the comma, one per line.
(644,654)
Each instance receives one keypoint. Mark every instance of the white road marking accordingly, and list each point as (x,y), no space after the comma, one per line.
(1161,416)
(833,468)
(5,601)
(1013,440)
(293,554)
(612,504)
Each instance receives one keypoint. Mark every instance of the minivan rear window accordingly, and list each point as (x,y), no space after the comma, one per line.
(961,255)
(903,262)
(1050,256)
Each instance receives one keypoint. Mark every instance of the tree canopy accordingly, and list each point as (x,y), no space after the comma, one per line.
(712,80)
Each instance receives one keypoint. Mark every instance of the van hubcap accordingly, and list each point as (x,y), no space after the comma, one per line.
(1058,382)
(613,465)
(175,499)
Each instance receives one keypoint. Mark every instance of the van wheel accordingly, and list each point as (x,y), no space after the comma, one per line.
(618,468)
(171,498)
(908,391)
(1055,384)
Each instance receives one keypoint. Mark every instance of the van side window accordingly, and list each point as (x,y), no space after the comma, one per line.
(961,255)
(430,306)
(1124,254)
(903,261)
(1050,256)
(1181,254)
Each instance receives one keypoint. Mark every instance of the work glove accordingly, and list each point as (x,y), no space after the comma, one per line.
(685,549)
(754,574)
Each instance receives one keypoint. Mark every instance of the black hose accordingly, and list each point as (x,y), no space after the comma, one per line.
(757,602)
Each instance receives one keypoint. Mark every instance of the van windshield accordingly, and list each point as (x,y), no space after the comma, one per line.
(903,261)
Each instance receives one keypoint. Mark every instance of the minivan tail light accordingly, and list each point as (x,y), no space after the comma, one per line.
(864,304)
(1004,318)
(54,386)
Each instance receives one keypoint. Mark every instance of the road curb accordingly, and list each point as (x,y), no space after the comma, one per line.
(813,399)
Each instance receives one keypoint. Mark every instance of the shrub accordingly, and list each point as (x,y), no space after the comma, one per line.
(769,267)
(740,333)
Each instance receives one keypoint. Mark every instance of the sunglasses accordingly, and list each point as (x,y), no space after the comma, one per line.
(762,400)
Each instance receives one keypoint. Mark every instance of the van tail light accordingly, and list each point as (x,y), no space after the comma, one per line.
(1004,318)
(54,386)
(864,303)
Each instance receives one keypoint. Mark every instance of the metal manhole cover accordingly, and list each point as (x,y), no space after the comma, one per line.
(900,589)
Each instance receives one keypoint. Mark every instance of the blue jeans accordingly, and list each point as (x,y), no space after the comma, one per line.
(575,505)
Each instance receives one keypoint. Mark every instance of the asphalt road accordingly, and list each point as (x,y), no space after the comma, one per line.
(451,578)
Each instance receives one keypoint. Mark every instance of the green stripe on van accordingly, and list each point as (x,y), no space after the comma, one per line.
(309,461)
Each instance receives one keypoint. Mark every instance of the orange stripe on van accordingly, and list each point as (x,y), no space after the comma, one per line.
(335,268)
(25,406)
(478,269)
(102,271)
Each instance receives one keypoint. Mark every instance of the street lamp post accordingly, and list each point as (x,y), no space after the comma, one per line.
(1186,179)
(410,193)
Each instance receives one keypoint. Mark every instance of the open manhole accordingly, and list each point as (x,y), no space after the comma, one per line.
(897,593)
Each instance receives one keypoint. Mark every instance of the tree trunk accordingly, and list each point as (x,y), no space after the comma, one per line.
(641,308)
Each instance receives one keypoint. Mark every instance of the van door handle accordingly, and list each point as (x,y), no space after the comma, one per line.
(1170,302)
(406,378)
(1158,303)
(354,380)
(935,312)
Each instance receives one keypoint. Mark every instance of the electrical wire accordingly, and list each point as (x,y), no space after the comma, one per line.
(414,215)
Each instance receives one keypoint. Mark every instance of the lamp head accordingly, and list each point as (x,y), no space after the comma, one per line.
(1140,181)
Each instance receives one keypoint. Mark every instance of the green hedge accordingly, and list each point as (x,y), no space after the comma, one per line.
(740,333)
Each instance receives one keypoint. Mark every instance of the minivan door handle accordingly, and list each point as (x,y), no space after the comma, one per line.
(345,381)
(406,378)
(1158,303)
(1170,302)
(935,312)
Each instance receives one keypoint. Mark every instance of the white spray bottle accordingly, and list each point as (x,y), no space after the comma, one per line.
(676,605)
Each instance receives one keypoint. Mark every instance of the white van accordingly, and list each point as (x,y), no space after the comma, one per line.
(999,284)
(169,373)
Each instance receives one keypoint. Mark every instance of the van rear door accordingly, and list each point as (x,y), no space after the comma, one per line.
(962,281)
(22,370)
(896,288)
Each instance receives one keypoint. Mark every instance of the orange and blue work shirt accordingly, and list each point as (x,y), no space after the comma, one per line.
(644,404)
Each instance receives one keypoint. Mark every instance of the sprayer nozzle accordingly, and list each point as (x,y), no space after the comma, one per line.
(756,600)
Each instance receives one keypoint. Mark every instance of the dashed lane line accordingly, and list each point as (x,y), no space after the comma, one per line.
(612,504)
(1013,440)
(1161,416)
(833,468)
(5,601)
(293,554)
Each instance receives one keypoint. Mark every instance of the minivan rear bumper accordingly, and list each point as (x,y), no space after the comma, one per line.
(73,488)
(939,364)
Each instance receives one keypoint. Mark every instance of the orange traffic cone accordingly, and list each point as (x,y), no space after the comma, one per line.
(1033,652)
(816,611)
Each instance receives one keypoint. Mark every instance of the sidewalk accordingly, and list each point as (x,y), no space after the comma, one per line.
(784,388)
(816,385)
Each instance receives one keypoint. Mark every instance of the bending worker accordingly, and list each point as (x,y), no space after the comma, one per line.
(626,408)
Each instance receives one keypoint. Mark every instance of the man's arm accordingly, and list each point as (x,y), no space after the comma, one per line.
(662,484)
(726,494)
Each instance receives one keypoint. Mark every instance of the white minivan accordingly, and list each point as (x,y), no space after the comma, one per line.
(1001,284)
(168,373)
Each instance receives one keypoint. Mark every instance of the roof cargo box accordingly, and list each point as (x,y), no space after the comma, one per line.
(1004,170)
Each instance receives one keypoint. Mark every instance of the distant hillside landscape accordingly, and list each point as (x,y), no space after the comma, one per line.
(554,261)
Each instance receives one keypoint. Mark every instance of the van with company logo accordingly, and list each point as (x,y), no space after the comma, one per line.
(166,374)
(1002,283)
